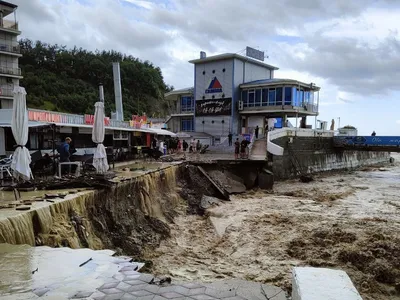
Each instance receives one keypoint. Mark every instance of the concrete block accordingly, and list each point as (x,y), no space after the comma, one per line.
(266,181)
(320,283)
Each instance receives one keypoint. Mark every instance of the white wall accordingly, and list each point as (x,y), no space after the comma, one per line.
(216,128)
(225,78)
(255,72)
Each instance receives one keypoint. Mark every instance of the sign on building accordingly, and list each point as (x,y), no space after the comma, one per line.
(214,87)
(254,53)
(217,107)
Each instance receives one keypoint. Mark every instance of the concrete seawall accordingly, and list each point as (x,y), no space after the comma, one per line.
(318,155)
(133,214)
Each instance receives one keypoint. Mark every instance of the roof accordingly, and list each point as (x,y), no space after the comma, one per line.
(30,124)
(231,56)
(275,81)
(180,91)
(8,4)
(161,131)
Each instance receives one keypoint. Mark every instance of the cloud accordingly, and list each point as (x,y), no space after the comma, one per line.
(345,46)
(397,121)
(141,3)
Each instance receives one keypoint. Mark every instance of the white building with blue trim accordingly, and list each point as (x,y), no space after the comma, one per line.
(234,93)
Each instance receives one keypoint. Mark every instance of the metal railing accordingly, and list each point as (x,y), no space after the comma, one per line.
(65,118)
(54,117)
(6,24)
(10,48)
(10,71)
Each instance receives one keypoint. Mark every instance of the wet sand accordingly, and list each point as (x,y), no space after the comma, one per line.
(348,221)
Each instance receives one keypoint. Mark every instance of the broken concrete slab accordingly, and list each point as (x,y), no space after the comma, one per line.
(249,290)
(230,182)
(208,201)
(220,224)
(321,283)
(223,192)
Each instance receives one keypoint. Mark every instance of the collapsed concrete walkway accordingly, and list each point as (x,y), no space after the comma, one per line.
(64,273)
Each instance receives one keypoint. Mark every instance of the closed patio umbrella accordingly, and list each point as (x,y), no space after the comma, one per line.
(19,126)
(100,155)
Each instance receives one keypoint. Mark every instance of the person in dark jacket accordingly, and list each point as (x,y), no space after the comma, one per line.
(237,148)
(256,131)
(185,145)
(154,143)
(64,150)
(230,138)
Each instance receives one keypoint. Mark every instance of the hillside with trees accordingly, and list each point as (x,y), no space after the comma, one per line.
(66,80)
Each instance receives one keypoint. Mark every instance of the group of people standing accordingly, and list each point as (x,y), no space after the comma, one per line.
(242,148)
(175,145)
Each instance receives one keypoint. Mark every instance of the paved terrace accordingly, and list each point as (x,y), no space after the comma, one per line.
(64,273)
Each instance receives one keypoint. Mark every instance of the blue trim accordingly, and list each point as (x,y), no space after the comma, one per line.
(194,99)
(354,141)
(233,95)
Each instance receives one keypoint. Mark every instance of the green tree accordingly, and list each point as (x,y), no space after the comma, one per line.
(67,80)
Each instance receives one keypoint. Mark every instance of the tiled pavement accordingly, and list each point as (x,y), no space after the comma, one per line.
(64,273)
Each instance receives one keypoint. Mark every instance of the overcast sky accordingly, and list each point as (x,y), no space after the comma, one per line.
(350,48)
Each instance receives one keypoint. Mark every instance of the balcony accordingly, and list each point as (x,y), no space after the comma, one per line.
(6,91)
(14,49)
(12,72)
(9,26)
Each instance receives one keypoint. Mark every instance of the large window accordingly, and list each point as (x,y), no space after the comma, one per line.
(301,99)
(288,96)
(187,104)
(252,95)
(294,100)
(264,97)
(279,95)
(271,97)
(257,102)
(187,124)
(306,97)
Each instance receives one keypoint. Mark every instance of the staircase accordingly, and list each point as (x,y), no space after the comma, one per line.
(259,149)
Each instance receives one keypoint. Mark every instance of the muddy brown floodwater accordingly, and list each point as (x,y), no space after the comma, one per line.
(347,221)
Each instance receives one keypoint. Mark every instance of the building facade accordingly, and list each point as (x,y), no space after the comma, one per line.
(234,93)
(181,118)
(10,73)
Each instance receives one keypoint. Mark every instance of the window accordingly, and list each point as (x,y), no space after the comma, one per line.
(257,102)
(294,100)
(251,98)
(301,100)
(311,97)
(306,97)
(187,104)
(288,96)
(271,97)
(264,101)
(279,95)
(187,124)
(244,98)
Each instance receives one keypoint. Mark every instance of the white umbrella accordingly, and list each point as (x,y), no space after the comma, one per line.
(100,155)
(19,126)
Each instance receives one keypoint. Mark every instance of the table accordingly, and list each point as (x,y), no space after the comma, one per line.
(70,163)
